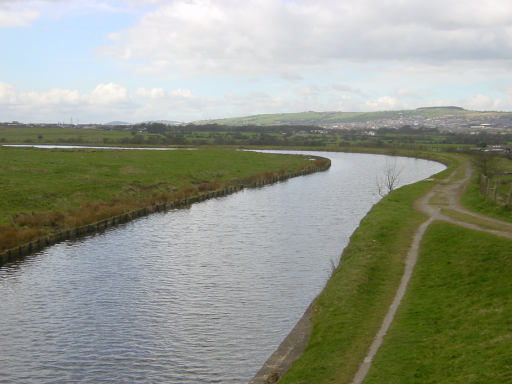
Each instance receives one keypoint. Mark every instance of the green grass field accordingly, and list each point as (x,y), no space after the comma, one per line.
(58,135)
(45,190)
(349,311)
(455,323)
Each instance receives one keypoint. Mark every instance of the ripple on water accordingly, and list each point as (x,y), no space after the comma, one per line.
(199,295)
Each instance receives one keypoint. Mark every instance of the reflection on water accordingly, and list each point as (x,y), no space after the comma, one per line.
(53,146)
(199,295)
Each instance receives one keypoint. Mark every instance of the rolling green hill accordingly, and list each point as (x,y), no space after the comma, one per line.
(327,118)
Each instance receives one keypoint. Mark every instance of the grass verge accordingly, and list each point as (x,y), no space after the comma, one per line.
(473,200)
(473,220)
(44,191)
(455,323)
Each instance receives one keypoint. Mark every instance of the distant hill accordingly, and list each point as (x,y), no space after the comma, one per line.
(166,122)
(334,118)
(448,107)
(117,123)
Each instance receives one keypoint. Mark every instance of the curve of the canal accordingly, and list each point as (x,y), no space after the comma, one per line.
(197,295)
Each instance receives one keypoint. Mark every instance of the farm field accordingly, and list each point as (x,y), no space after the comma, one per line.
(46,190)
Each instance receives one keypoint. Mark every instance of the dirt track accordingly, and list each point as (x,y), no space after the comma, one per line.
(445,195)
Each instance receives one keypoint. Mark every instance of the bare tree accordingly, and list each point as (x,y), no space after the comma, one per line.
(486,162)
(389,178)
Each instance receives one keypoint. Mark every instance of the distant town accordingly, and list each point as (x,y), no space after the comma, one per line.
(444,119)
(466,124)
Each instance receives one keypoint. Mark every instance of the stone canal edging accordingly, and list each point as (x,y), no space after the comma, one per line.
(77,232)
(290,349)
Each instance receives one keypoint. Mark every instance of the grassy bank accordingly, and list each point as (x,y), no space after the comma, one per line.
(475,201)
(498,171)
(454,325)
(349,311)
(43,191)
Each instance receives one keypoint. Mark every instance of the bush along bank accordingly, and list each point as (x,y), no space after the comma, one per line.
(17,243)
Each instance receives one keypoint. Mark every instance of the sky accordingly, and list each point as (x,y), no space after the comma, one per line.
(184,60)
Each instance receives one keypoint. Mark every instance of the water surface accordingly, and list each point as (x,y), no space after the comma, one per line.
(198,295)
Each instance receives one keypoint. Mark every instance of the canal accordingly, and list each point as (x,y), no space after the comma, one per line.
(197,295)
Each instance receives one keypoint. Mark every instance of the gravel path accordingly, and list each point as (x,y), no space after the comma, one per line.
(447,195)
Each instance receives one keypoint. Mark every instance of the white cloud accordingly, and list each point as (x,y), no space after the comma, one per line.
(408,93)
(346,89)
(12,98)
(310,91)
(52,97)
(144,2)
(107,101)
(286,37)
(155,93)
(110,93)
(384,103)
(485,103)
(111,101)
(14,16)
(59,104)
(7,94)
(180,92)
(21,13)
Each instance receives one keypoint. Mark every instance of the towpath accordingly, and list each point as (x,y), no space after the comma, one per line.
(441,203)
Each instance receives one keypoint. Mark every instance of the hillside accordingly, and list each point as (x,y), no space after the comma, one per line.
(448,117)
